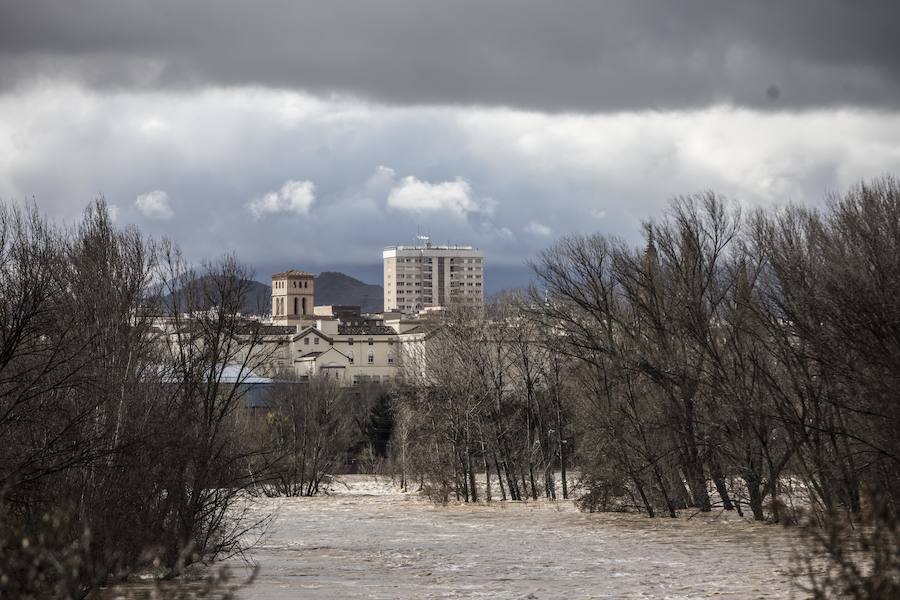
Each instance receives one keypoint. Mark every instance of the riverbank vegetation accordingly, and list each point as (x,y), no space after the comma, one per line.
(744,361)
(119,446)
(129,447)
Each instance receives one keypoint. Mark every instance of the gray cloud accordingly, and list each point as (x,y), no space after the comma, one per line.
(528,177)
(311,134)
(585,56)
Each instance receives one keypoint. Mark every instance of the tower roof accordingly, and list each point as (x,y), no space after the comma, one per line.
(293,273)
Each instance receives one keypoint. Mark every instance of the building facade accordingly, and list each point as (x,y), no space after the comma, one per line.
(351,354)
(428,276)
(340,342)
(336,341)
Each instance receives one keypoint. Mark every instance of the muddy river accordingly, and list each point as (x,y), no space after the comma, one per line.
(371,541)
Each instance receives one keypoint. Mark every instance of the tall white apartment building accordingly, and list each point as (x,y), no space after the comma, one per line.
(420,277)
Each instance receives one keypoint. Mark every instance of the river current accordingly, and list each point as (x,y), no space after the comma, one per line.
(368,540)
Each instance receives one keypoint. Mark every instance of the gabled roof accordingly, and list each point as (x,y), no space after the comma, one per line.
(232,373)
(308,330)
(337,351)
(317,356)
(425,330)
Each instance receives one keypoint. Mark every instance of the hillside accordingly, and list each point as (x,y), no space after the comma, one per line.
(331,288)
(337,288)
(257,301)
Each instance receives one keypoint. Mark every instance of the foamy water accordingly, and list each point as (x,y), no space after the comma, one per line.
(371,541)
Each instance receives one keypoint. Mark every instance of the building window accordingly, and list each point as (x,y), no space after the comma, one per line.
(371,357)
(306,341)
(371,342)
(350,341)
(350,356)
(390,359)
(316,341)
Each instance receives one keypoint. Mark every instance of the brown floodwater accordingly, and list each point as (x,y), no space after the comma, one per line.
(370,541)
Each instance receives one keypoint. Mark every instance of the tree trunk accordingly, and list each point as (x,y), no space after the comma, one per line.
(754,491)
(473,489)
(562,450)
(662,489)
(499,477)
(693,466)
(487,474)
(640,488)
(718,478)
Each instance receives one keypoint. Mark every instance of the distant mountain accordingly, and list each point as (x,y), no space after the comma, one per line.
(337,288)
(331,288)
(258,299)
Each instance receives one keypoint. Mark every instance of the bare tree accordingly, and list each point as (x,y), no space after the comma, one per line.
(121,450)
(312,423)
(209,355)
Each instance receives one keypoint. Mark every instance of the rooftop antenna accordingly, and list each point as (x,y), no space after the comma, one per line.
(423,238)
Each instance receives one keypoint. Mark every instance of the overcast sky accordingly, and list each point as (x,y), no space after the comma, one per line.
(311,134)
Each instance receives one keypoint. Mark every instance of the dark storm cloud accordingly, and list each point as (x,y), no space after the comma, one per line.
(550,56)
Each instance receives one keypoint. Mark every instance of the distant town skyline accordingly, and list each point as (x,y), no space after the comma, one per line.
(316,138)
